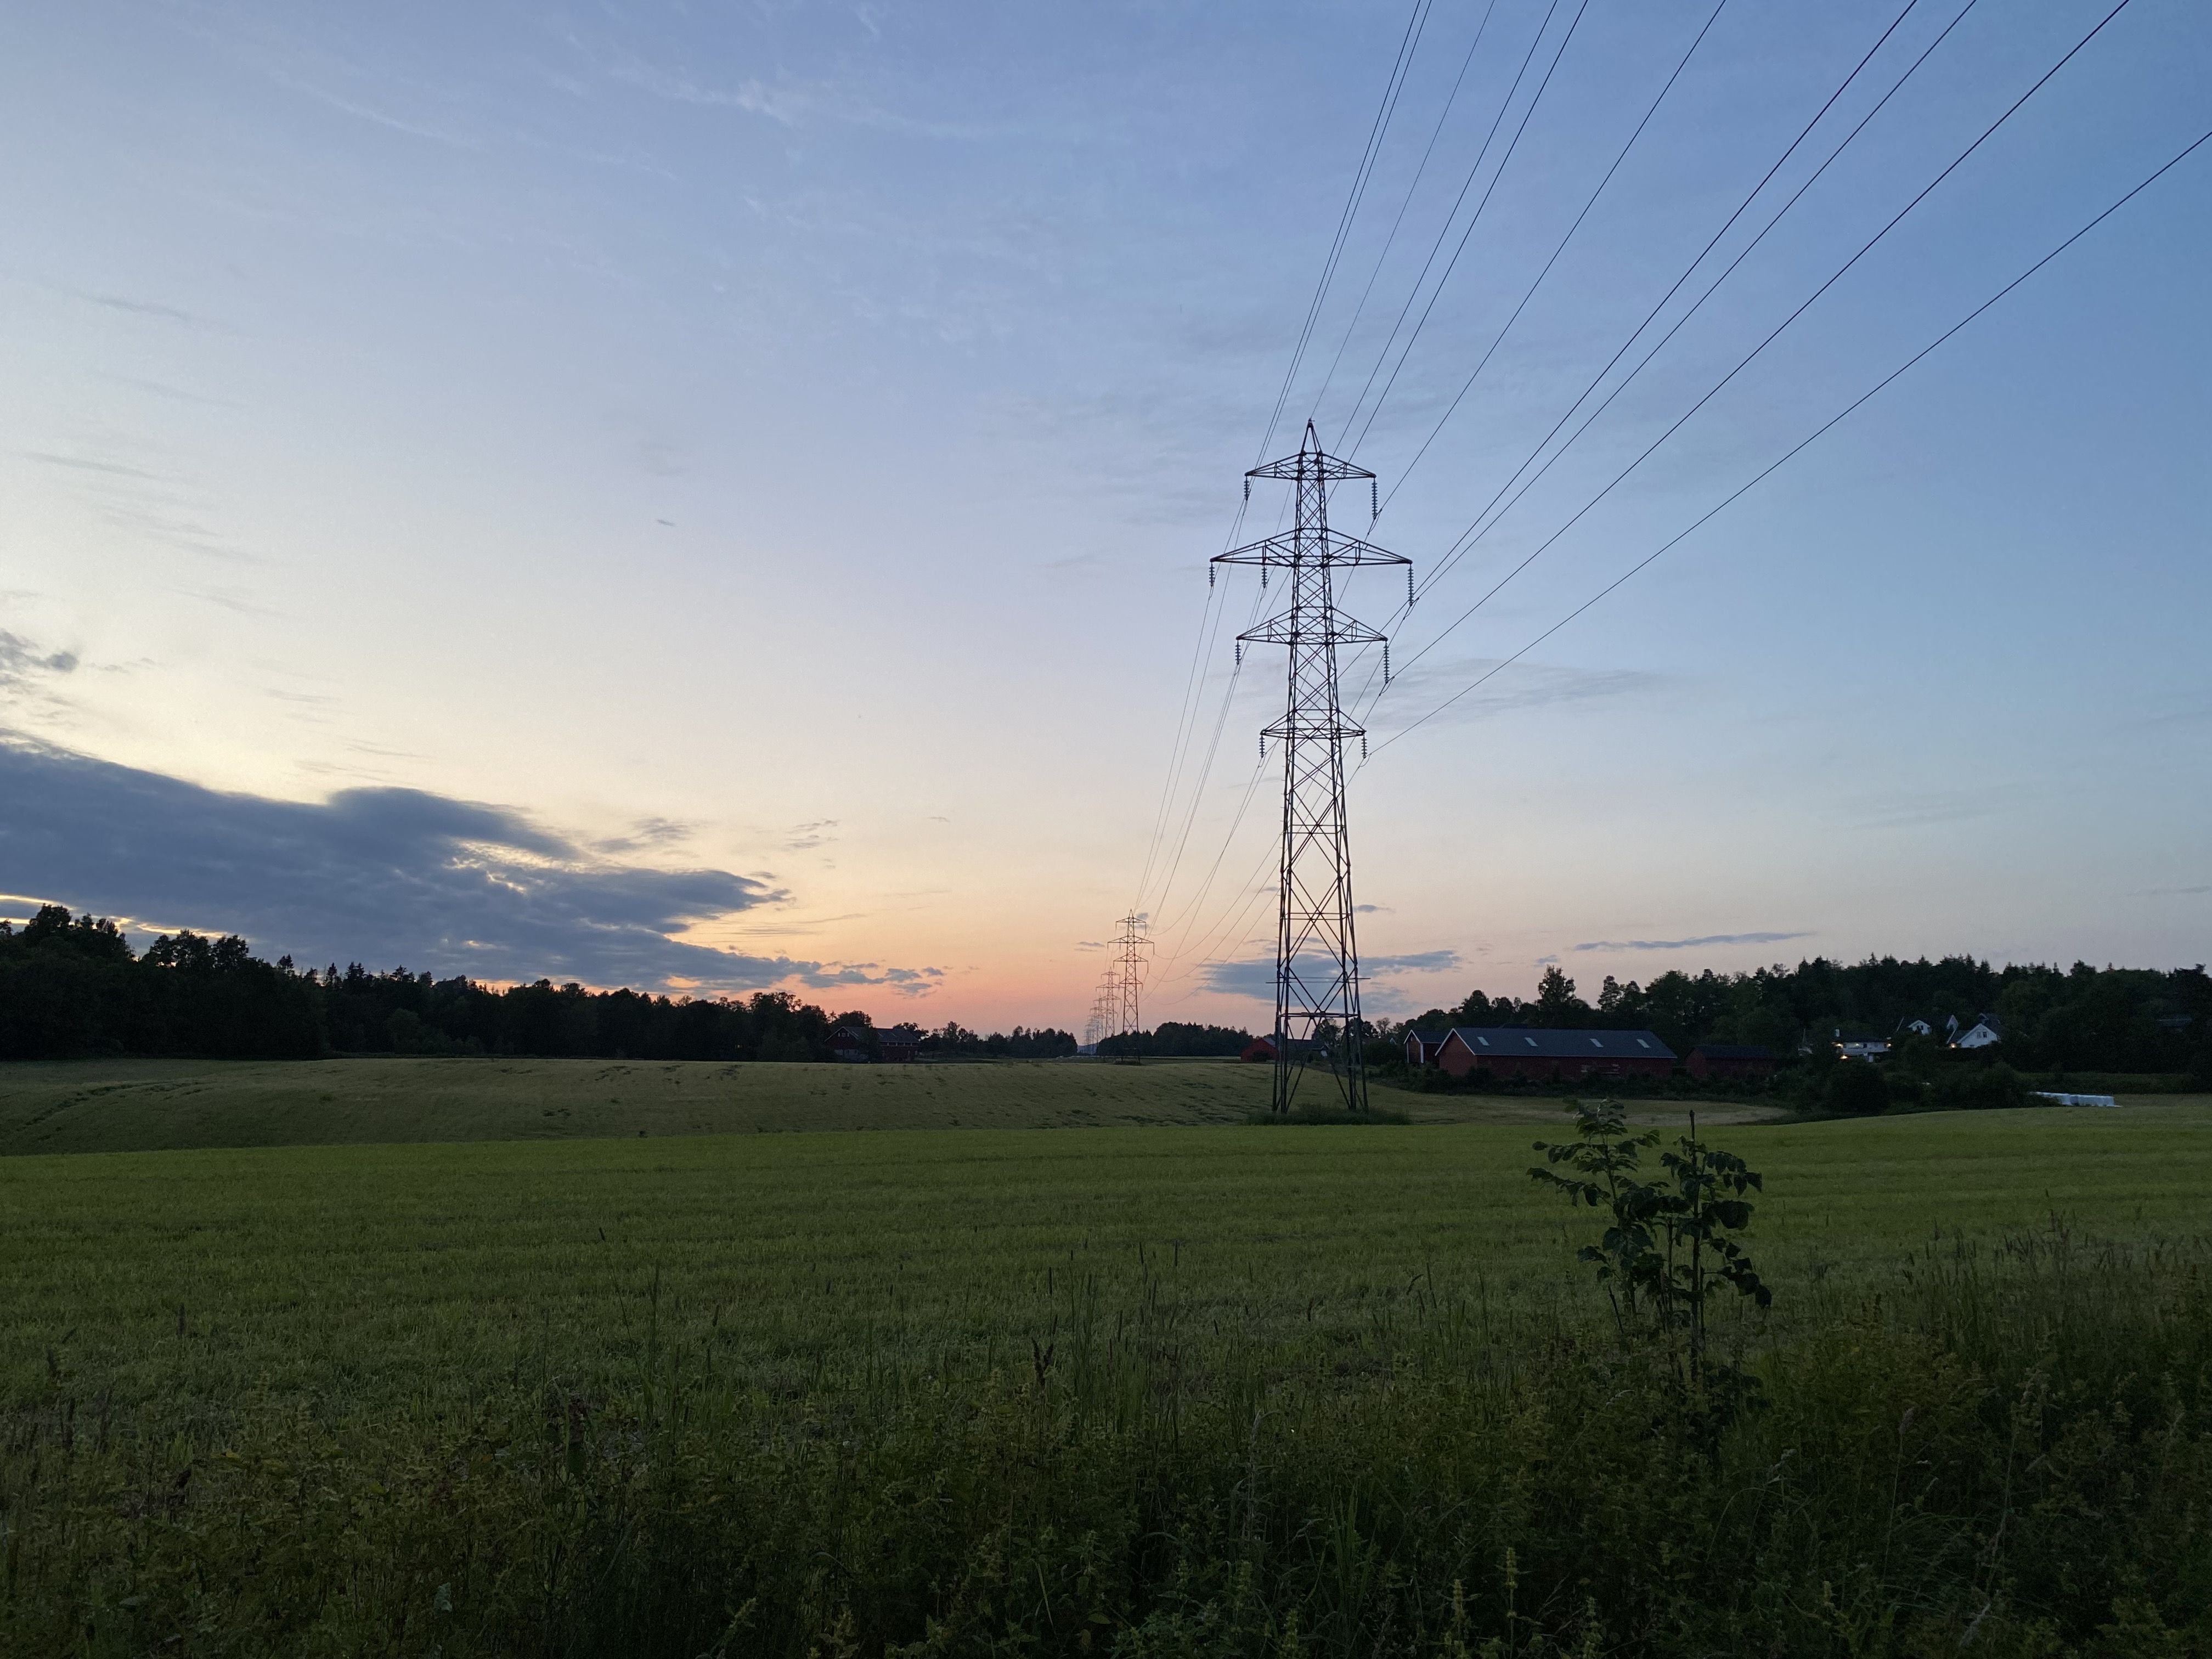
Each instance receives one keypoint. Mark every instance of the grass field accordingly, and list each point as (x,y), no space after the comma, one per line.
(144,1105)
(762,1341)
(347,1277)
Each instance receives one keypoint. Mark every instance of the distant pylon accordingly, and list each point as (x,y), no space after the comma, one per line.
(1316,954)
(1130,945)
(1105,1006)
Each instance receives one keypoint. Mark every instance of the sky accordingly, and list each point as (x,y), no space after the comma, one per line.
(718,497)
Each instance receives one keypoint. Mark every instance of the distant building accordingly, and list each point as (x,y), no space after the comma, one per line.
(1730,1059)
(1984,1033)
(1512,1051)
(1259,1048)
(1917,1027)
(1421,1046)
(1861,1050)
(859,1044)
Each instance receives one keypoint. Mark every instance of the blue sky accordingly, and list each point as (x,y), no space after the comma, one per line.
(753,467)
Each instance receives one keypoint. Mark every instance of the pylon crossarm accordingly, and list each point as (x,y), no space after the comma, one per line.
(1289,629)
(1320,546)
(1308,464)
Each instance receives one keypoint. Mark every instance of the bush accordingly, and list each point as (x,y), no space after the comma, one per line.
(1979,1088)
(1858,1088)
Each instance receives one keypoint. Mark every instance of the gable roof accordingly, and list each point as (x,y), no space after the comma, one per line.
(1521,1042)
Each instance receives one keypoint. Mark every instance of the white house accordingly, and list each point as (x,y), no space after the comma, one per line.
(1984,1033)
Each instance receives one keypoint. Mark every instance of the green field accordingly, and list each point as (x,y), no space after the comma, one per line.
(145,1105)
(344,1276)
(754,1343)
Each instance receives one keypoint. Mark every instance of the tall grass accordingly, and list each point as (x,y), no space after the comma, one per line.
(2005,1449)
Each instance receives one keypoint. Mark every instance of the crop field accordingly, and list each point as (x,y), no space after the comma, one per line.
(347,1277)
(144,1105)
(203,1350)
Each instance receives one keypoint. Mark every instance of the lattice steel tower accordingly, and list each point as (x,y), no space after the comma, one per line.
(1127,981)
(1316,954)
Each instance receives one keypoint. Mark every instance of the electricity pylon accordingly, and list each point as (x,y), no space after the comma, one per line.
(1130,945)
(1316,954)
(1105,1009)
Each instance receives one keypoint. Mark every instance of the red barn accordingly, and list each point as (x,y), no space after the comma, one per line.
(1730,1059)
(1513,1051)
(1259,1048)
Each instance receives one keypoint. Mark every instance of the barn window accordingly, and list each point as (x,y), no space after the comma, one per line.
(1595,1043)
(1641,1043)
(1531,1041)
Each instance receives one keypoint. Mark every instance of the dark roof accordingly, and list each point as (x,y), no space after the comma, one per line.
(1528,1044)
(897,1038)
(1734,1051)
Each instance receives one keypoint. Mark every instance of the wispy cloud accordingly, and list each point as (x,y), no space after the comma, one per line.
(380,875)
(1256,977)
(791,103)
(136,308)
(1524,685)
(1916,809)
(801,836)
(1684,944)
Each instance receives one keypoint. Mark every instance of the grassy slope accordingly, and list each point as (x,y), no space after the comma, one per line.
(135,1105)
(184,1283)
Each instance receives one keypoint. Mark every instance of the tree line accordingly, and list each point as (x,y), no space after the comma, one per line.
(2076,1019)
(71,986)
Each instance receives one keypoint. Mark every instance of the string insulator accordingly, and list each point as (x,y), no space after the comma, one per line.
(1210,573)
(1263,576)
(1374,506)
(1386,664)
(1363,748)
(1409,587)
(1248,492)
(1263,745)
(1240,654)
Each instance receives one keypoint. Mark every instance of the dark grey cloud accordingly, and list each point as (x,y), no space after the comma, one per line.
(21,661)
(381,875)
(1685,944)
(1256,978)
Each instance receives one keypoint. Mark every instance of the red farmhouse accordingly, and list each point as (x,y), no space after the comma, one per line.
(1512,1051)
(1730,1059)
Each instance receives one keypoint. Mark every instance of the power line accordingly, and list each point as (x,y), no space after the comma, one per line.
(1411,339)
(1803,444)
(1746,361)
(1390,241)
(1683,64)
(1360,176)
(1186,715)
(1478,529)
(1451,217)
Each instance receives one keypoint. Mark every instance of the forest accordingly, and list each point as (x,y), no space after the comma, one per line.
(71,987)
(2054,1020)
